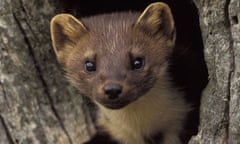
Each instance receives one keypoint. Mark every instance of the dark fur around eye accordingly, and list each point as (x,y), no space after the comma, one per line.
(137,63)
(90,66)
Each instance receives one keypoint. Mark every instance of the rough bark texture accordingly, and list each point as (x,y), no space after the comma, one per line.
(220,109)
(37,105)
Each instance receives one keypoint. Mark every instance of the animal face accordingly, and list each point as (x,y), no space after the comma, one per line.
(115,58)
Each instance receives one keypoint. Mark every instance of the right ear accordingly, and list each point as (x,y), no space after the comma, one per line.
(157,18)
(65,32)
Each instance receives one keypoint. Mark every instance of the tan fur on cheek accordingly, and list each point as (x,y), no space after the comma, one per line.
(160,110)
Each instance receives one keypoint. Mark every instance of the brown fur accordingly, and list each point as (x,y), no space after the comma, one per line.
(147,104)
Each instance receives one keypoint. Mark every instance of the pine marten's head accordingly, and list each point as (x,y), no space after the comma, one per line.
(115,58)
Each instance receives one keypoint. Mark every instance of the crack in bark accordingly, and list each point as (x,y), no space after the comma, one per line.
(40,76)
(232,65)
(232,69)
(8,134)
(27,22)
(4,93)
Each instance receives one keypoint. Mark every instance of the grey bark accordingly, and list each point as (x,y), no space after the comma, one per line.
(37,105)
(220,108)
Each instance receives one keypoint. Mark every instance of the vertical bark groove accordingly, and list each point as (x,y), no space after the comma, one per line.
(218,119)
(8,133)
(4,93)
(26,21)
(39,73)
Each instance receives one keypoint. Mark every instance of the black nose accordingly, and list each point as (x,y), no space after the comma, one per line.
(112,90)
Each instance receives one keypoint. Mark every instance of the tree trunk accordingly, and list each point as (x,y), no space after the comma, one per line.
(38,106)
(220,109)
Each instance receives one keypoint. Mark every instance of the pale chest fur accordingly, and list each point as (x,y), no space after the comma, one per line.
(160,110)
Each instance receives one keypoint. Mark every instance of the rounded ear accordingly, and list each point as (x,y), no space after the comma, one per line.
(65,32)
(157,19)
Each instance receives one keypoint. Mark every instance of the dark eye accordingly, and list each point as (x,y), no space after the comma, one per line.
(137,63)
(90,66)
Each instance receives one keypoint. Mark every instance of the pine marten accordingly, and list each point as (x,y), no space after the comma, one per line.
(120,60)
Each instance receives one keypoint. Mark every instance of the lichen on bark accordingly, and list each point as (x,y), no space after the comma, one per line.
(219,110)
(37,105)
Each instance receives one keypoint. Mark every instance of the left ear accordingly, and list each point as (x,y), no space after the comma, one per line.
(157,19)
(66,30)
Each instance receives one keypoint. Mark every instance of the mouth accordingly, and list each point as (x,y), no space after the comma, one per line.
(114,105)
(117,104)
